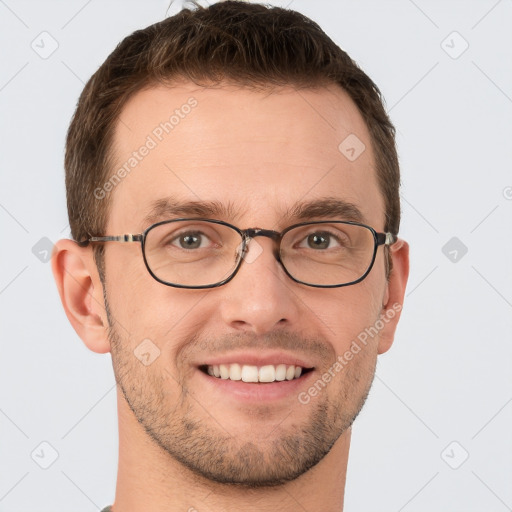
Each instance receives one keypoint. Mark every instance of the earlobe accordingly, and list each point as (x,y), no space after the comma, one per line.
(395,292)
(81,293)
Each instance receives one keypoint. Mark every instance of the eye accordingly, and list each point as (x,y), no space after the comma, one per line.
(323,240)
(190,240)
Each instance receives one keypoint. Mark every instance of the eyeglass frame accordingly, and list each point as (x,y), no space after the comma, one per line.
(385,239)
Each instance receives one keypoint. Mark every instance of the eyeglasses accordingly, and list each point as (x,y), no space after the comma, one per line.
(206,253)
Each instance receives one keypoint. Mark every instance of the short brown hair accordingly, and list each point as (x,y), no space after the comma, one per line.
(243,43)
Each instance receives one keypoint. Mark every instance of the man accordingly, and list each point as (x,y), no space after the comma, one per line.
(232,185)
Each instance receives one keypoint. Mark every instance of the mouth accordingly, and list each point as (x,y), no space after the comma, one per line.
(249,373)
(255,377)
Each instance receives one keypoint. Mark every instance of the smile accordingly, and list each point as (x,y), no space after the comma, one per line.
(256,374)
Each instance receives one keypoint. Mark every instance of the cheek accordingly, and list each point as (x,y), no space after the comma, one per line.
(168,317)
(128,298)
(145,309)
(352,311)
(133,295)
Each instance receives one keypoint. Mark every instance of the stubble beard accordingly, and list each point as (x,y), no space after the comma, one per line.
(172,420)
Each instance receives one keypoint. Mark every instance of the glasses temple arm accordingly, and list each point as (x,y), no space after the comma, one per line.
(118,238)
(386,238)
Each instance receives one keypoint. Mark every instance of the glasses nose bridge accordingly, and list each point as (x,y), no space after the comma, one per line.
(268,233)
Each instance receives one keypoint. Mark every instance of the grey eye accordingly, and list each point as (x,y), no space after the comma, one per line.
(190,240)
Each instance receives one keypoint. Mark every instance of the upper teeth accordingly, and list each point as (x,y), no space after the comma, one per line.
(249,373)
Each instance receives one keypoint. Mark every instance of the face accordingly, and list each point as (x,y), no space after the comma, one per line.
(253,157)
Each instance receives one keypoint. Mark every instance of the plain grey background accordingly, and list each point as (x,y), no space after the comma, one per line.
(435,434)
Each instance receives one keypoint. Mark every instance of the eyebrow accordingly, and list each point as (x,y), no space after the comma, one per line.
(169,207)
(331,207)
(326,207)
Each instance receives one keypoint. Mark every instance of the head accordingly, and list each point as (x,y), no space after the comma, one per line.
(240,113)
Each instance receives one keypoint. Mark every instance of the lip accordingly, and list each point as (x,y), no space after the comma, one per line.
(251,392)
(256,358)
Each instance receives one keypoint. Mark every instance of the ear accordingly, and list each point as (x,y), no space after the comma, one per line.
(394,295)
(81,293)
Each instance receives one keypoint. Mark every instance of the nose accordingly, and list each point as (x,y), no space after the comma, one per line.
(260,297)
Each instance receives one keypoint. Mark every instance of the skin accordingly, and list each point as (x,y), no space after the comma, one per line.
(184,445)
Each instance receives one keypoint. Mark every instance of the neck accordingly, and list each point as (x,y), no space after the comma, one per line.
(150,479)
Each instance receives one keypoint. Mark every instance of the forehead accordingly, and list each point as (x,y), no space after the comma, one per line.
(255,154)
